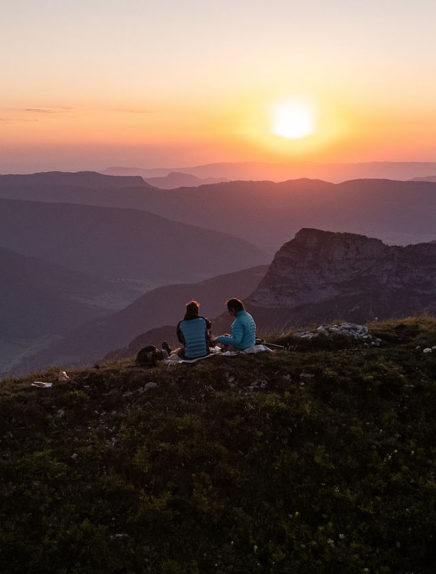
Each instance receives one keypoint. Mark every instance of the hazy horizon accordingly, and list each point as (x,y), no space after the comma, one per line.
(166,84)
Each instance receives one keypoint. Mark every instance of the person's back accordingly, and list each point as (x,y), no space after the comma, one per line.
(194,332)
(245,322)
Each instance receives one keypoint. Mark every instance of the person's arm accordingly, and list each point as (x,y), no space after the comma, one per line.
(180,335)
(208,332)
(237,335)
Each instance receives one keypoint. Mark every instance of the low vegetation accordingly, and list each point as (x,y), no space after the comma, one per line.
(320,458)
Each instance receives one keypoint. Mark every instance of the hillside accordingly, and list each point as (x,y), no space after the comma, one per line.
(317,459)
(126,245)
(40,301)
(37,296)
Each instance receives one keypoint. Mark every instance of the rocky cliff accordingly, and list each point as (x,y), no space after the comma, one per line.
(322,276)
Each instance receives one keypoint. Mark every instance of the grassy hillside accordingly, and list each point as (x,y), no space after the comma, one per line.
(316,459)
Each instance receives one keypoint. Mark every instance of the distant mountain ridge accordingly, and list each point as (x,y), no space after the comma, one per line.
(178,179)
(322,276)
(280,171)
(427,178)
(263,212)
(267,213)
(62,178)
(87,188)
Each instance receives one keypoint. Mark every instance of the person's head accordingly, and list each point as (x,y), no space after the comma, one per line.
(192,309)
(235,305)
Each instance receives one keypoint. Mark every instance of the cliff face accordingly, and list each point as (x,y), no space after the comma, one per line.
(320,276)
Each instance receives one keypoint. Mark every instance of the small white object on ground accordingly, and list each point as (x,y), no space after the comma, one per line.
(256,349)
(41,384)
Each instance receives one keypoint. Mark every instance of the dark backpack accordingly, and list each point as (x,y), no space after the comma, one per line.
(148,356)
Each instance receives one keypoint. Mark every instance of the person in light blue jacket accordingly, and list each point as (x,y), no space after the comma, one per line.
(243,327)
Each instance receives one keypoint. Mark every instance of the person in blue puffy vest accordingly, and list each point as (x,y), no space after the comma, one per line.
(243,327)
(194,333)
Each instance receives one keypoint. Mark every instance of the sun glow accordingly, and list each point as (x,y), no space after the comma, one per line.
(293,120)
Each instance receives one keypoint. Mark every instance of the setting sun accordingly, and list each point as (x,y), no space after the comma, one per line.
(293,120)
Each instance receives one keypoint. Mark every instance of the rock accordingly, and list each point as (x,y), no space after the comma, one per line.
(358,332)
(149,386)
(321,275)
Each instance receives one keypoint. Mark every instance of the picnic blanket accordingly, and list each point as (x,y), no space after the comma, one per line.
(174,359)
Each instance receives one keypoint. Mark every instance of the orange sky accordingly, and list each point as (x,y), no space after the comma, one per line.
(182,83)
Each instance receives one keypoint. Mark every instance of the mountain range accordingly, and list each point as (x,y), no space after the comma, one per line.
(261,212)
(335,172)
(267,214)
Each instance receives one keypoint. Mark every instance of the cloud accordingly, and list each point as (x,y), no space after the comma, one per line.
(38,111)
(53,110)
(139,111)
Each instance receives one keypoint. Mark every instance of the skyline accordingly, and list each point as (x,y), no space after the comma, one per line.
(166,84)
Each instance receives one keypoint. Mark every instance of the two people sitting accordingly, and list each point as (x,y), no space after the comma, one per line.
(194,331)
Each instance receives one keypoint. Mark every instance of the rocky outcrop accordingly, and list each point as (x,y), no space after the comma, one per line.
(324,276)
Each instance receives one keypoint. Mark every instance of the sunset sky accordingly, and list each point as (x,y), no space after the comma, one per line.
(171,83)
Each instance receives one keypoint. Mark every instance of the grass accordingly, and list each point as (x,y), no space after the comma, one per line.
(318,459)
